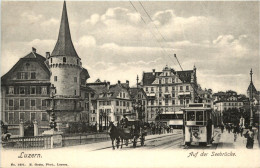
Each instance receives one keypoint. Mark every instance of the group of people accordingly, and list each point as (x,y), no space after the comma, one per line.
(248,133)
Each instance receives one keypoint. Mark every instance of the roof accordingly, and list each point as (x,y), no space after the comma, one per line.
(184,76)
(251,85)
(149,77)
(32,56)
(64,45)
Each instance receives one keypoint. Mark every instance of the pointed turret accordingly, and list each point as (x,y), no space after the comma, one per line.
(64,45)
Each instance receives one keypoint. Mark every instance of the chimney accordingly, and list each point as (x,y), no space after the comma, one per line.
(153,71)
(47,55)
(127,82)
(118,82)
(33,50)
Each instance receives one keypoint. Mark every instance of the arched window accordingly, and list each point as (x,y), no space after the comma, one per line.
(64,60)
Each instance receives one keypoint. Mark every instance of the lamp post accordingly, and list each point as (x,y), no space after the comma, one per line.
(250,100)
(53,123)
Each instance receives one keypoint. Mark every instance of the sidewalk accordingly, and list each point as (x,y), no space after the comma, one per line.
(227,141)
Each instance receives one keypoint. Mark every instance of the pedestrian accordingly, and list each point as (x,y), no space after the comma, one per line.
(250,138)
(241,130)
(236,131)
(229,128)
(222,128)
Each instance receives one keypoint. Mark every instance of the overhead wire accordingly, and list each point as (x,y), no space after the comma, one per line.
(153,34)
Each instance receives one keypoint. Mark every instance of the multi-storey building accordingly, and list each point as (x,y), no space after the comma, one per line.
(228,100)
(37,85)
(168,91)
(109,102)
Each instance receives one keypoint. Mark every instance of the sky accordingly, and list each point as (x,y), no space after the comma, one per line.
(117,41)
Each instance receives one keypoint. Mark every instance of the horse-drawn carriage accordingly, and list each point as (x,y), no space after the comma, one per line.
(134,130)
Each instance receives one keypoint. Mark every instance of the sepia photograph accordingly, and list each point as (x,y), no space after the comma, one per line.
(130,84)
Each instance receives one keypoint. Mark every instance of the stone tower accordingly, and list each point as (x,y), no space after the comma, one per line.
(64,62)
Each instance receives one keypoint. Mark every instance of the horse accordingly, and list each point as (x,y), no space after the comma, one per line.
(114,134)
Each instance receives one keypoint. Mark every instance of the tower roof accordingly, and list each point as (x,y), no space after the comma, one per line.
(251,85)
(64,45)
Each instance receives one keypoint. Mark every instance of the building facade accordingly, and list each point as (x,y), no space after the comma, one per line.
(37,86)
(168,91)
(109,103)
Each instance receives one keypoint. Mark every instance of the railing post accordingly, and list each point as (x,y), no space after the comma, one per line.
(35,128)
(21,129)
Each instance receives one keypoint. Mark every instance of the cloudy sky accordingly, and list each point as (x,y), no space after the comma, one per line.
(114,43)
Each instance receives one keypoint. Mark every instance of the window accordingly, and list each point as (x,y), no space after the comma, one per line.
(55,78)
(22,103)
(120,94)
(146,89)
(160,81)
(123,103)
(166,79)
(32,103)
(11,90)
(187,88)
(124,110)
(181,88)
(166,89)
(33,116)
(44,90)
(117,103)
(22,75)
(32,90)
(166,102)
(160,95)
(44,103)
(75,92)
(75,79)
(33,75)
(160,89)
(11,117)
(123,95)
(173,94)
(152,102)
(22,90)
(173,88)
(11,102)
(21,116)
(187,101)
(127,104)
(172,80)
(160,102)
(64,60)
(173,102)
(152,89)
(44,117)
(51,60)
(120,103)
(181,101)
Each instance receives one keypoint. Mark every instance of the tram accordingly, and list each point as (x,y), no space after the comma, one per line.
(198,124)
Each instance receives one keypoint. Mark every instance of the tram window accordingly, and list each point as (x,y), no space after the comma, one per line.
(191,116)
(199,116)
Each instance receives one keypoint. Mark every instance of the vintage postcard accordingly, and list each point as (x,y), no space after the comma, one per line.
(130,84)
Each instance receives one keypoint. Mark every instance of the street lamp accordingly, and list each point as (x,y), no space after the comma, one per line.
(53,123)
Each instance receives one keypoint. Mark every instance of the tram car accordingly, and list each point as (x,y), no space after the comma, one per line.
(198,124)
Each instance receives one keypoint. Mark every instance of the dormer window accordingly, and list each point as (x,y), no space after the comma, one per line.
(64,60)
